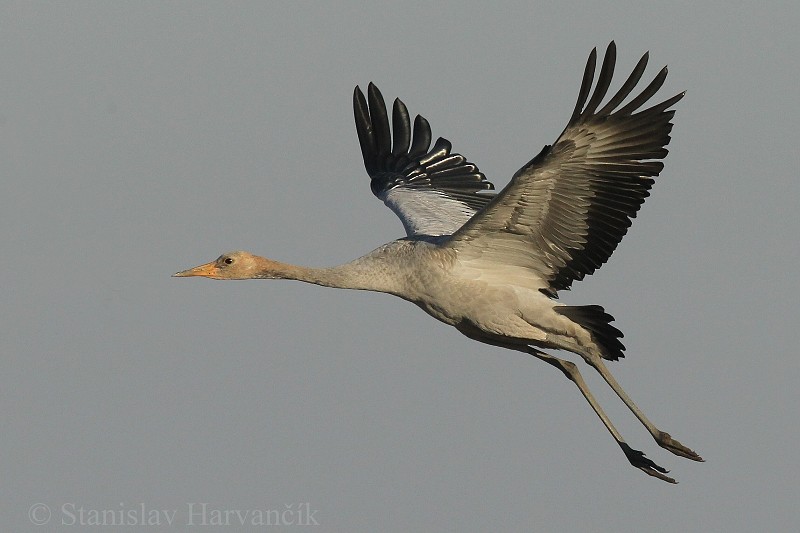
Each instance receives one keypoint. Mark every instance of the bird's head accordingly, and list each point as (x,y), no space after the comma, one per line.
(232,265)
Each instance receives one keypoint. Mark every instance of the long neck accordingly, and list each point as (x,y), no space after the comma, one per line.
(365,273)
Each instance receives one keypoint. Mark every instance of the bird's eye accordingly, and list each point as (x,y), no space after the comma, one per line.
(228,260)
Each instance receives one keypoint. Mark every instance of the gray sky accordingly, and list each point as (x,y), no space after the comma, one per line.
(143,138)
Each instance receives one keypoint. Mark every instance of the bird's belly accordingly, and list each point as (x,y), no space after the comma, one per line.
(495,311)
(443,313)
(499,302)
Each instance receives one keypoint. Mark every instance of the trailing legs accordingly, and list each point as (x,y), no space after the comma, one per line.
(570,370)
(662,438)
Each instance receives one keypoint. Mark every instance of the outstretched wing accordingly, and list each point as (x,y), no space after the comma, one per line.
(434,192)
(563,214)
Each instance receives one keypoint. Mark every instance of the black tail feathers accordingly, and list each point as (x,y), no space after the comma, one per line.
(595,319)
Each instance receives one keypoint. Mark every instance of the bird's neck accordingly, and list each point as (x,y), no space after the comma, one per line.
(366,273)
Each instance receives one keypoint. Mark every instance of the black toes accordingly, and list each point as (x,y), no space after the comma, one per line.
(666,441)
(646,465)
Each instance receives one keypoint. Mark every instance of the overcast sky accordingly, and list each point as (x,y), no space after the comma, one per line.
(142,138)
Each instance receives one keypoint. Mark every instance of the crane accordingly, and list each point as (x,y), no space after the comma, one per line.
(491,264)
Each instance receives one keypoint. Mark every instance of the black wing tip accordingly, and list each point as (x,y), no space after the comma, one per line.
(358,94)
(388,148)
(584,111)
(402,154)
(372,127)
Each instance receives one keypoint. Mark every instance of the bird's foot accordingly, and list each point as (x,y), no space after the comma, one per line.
(668,443)
(644,464)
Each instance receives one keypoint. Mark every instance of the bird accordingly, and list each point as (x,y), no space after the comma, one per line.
(491,263)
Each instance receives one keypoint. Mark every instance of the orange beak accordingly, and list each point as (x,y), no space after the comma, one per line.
(209,270)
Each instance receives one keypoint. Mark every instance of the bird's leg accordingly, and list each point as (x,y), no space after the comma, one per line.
(635,457)
(661,437)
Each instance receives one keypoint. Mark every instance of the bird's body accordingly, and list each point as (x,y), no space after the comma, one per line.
(491,265)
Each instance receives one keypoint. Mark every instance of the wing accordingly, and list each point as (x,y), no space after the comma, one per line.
(434,192)
(563,214)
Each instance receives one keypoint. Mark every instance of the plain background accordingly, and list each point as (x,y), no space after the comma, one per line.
(142,138)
